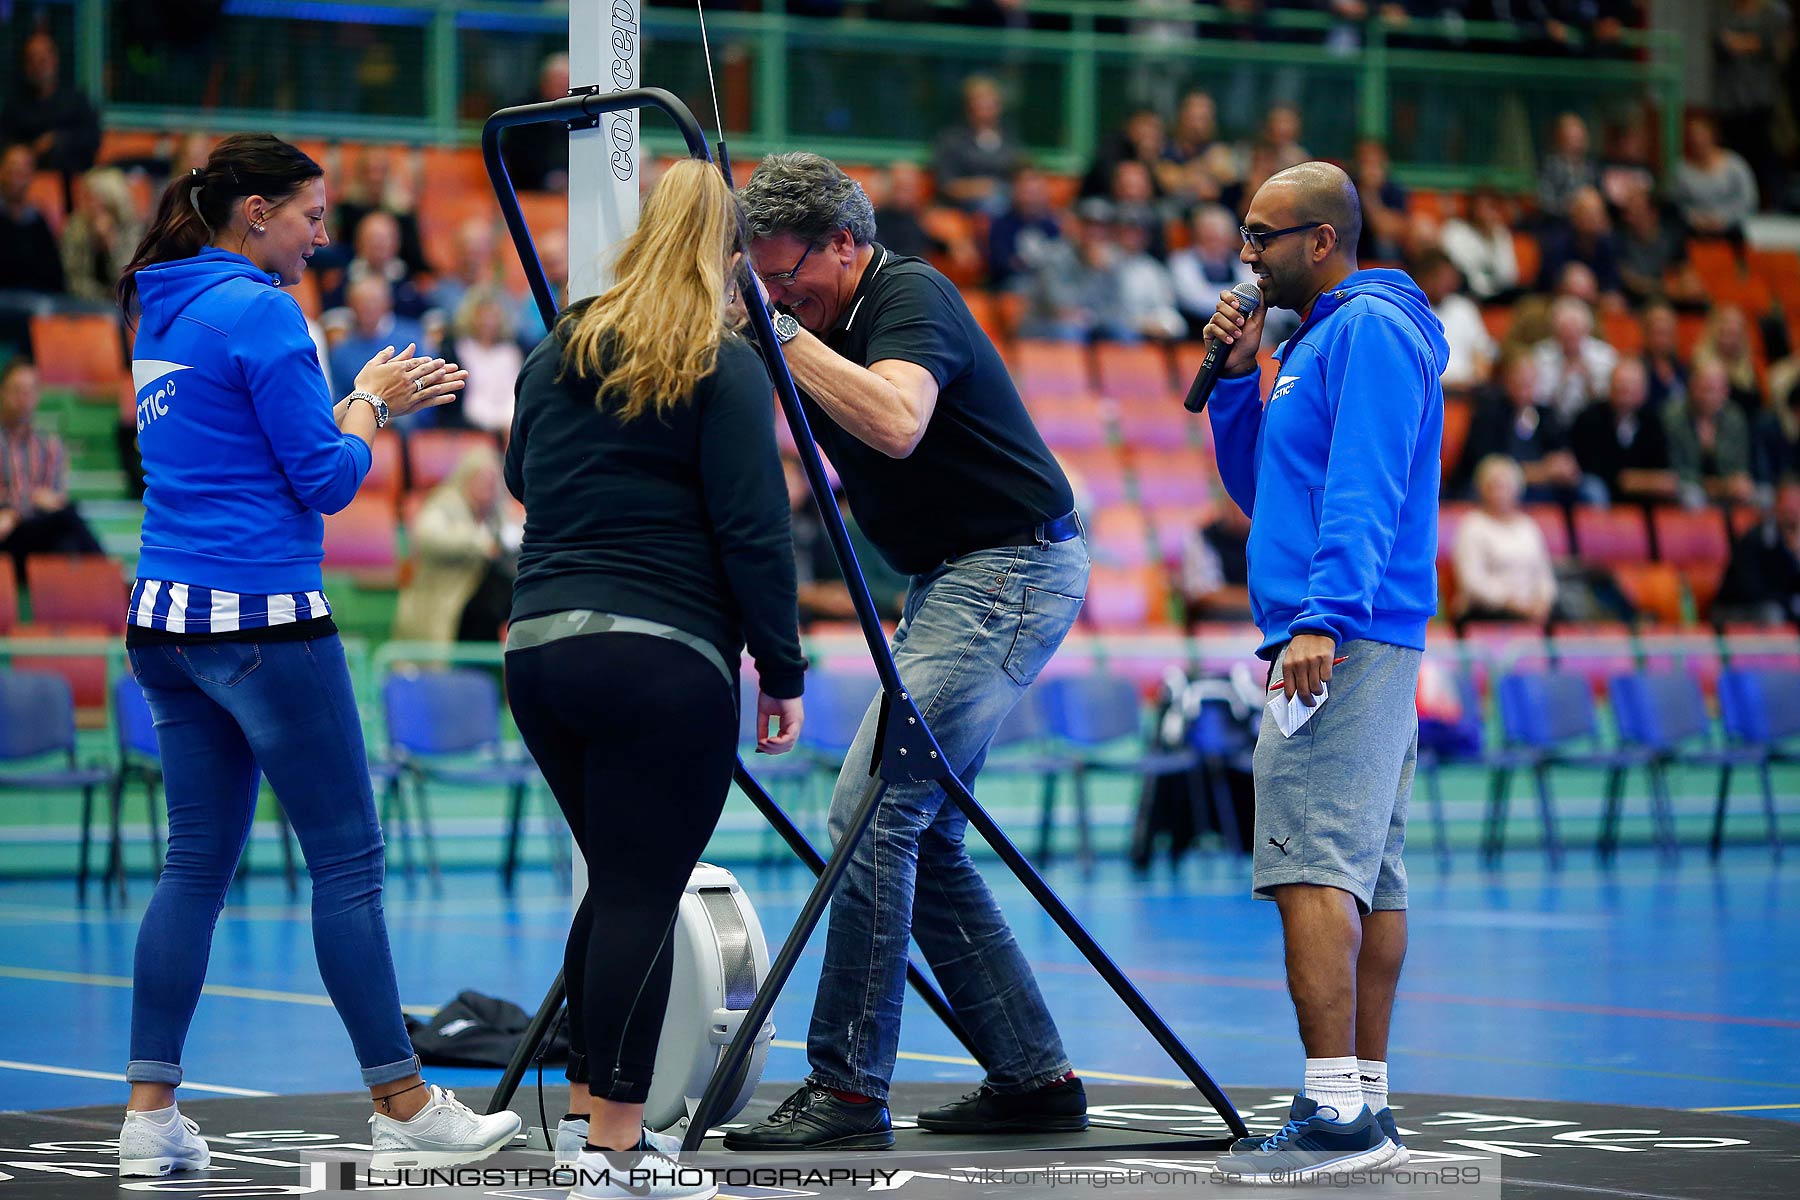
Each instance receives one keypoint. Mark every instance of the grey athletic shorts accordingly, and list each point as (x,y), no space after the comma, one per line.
(1331,800)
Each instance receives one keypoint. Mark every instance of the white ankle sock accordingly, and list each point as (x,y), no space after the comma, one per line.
(1332,1082)
(1374,1080)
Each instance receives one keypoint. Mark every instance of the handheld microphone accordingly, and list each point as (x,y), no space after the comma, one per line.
(1249,298)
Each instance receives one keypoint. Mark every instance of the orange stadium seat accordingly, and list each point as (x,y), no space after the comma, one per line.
(1124,599)
(1530,257)
(1622,332)
(1459,414)
(78,350)
(70,589)
(1654,588)
(9,599)
(386,466)
(1714,259)
(1612,535)
(1171,524)
(46,195)
(84,673)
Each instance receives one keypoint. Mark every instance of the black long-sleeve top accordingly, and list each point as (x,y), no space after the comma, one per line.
(681,519)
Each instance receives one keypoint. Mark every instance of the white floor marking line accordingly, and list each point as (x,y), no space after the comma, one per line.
(77,1073)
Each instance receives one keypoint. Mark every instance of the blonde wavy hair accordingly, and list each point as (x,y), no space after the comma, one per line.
(655,334)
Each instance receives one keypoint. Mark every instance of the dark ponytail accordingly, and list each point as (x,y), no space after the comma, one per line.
(197,205)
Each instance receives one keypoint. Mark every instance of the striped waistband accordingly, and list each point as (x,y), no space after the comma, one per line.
(574,622)
(190,608)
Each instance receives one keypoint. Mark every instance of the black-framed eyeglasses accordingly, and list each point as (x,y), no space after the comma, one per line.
(787,276)
(1258,240)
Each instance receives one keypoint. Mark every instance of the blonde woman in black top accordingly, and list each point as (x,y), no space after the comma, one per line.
(656,546)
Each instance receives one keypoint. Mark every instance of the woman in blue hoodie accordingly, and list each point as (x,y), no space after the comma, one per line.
(231,636)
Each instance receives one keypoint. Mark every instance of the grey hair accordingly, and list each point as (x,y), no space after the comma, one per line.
(808,197)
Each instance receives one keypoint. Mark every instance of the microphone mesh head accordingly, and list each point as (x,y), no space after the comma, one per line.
(1249,296)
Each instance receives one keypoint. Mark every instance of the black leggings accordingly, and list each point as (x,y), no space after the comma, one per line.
(637,737)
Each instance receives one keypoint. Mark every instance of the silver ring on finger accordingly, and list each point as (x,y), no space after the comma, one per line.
(418,386)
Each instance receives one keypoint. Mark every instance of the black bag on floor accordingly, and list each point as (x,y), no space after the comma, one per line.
(474,1030)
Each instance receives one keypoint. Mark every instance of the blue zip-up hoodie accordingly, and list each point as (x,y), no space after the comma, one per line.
(241,453)
(1339,470)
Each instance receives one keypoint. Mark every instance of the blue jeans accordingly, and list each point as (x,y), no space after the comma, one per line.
(974,634)
(223,710)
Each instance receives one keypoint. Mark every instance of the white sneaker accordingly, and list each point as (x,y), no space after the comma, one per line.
(571,1136)
(638,1175)
(148,1146)
(445,1133)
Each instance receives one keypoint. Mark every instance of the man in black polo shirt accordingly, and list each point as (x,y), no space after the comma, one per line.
(949,479)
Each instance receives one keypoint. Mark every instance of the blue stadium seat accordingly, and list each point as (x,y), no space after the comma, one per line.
(37,722)
(1760,710)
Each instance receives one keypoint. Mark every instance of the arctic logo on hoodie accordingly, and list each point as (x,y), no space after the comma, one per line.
(153,404)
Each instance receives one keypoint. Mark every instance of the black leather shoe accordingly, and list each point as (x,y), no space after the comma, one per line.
(1059,1108)
(814,1118)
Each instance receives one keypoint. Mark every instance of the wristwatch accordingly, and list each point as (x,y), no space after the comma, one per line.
(786,327)
(376,403)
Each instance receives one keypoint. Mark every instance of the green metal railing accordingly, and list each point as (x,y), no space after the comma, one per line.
(1458,102)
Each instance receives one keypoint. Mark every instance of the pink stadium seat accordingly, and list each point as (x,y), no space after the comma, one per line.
(1070,422)
(433,453)
(1611,535)
(9,599)
(1119,536)
(1774,646)
(1550,520)
(84,590)
(1497,648)
(1596,651)
(1097,475)
(362,542)
(1172,523)
(1126,599)
(1045,368)
(1690,539)
(1160,424)
(1170,477)
(1134,372)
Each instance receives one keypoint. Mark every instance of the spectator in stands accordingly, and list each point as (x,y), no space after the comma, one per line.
(1141,139)
(485,342)
(1208,265)
(537,156)
(29,259)
(1134,202)
(387,179)
(1727,339)
(1215,565)
(1754,45)
(1568,168)
(823,594)
(1073,291)
(378,257)
(553,256)
(375,326)
(1503,567)
(1662,354)
(100,235)
(1514,425)
(1482,248)
(1762,582)
(1146,293)
(1472,347)
(36,514)
(1775,432)
(1197,163)
(897,216)
(1627,167)
(1017,237)
(1709,439)
(1279,141)
(1383,203)
(1714,187)
(459,590)
(52,117)
(474,265)
(1621,444)
(1573,364)
(973,160)
(1585,237)
(1653,255)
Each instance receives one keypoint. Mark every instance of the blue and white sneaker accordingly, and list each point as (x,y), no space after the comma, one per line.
(1307,1147)
(1385,1119)
(156,1143)
(571,1136)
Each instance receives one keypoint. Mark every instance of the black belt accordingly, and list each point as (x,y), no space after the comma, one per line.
(1048,534)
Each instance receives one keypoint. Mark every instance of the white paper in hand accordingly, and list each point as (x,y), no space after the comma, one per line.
(1290,715)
